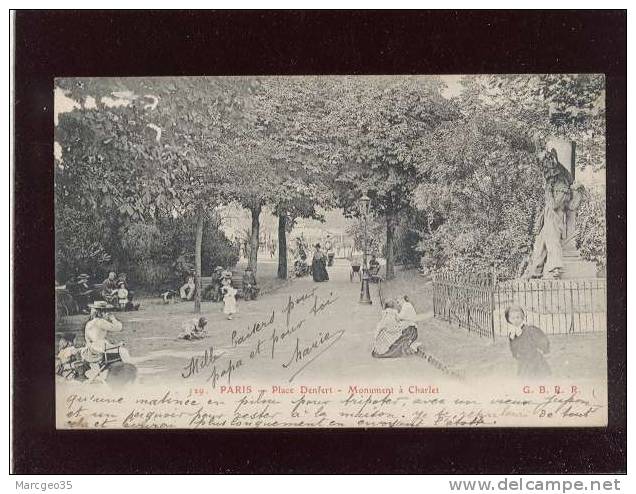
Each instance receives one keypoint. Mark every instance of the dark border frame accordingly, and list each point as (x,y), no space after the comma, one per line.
(51,44)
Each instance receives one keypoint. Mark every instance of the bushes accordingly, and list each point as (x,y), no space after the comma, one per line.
(161,255)
(80,243)
(155,255)
(592,238)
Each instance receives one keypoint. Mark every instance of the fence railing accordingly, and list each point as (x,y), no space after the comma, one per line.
(478,302)
(556,306)
(466,300)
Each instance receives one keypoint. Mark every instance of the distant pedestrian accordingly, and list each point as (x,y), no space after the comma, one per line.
(319,265)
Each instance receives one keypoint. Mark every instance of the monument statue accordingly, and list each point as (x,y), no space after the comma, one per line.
(557,225)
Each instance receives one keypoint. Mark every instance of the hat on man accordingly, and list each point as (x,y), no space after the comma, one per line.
(100,304)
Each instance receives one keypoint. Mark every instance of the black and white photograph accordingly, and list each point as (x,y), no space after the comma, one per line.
(330,251)
(327,242)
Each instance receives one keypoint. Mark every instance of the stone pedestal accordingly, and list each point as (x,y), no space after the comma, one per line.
(575,267)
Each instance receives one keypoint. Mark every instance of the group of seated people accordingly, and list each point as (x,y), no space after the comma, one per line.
(80,289)
(396,332)
(221,278)
(115,291)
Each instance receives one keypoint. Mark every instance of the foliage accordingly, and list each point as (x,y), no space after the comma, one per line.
(481,193)
(167,246)
(382,124)
(81,245)
(453,179)
(153,157)
(568,106)
(376,235)
(591,225)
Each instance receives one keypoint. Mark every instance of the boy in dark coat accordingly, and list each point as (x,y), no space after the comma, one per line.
(528,344)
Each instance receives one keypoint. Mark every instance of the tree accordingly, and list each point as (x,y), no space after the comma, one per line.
(175,138)
(482,187)
(98,184)
(279,160)
(296,126)
(481,191)
(381,125)
(570,106)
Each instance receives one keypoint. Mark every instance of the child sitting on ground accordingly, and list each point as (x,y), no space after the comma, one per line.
(69,361)
(407,311)
(194,329)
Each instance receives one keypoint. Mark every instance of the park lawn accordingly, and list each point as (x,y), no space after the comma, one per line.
(411,283)
(150,335)
(159,322)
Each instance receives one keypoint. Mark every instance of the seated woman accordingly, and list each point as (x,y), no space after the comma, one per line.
(250,289)
(186,292)
(393,337)
(109,288)
(99,353)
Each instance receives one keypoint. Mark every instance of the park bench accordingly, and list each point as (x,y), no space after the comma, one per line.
(237,283)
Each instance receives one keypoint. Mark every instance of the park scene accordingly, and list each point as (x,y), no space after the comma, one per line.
(363,229)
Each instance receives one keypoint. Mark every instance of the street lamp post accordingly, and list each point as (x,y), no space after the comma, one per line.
(365,298)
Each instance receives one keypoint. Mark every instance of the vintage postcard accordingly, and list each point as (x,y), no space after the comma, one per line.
(330,252)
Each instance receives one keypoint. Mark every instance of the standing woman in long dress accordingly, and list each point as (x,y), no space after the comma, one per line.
(319,265)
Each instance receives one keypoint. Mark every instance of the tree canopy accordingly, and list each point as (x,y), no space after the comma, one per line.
(458,173)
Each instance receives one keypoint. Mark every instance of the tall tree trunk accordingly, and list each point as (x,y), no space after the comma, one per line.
(197,263)
(282,246)
(254,237)
(390,235)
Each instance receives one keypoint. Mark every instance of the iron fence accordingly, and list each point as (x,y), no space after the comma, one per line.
(478,302)
(466,300)
(555,306)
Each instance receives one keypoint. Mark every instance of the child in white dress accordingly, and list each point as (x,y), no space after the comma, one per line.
(229,300)
(122,296)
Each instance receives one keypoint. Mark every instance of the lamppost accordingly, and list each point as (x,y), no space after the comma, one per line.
(365,298)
